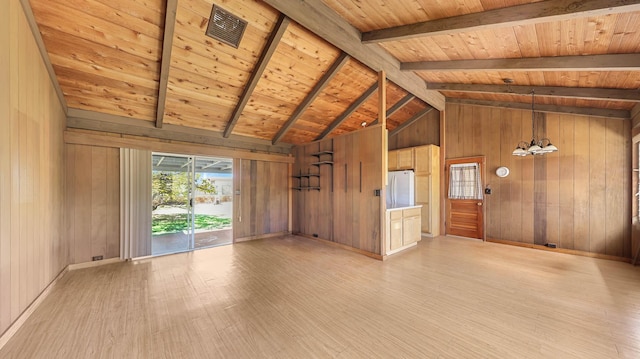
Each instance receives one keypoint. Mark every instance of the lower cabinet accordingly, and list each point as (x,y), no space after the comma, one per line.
(411,230)
(395,228)
(403,227)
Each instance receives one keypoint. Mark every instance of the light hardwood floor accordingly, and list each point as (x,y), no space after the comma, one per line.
(296,298)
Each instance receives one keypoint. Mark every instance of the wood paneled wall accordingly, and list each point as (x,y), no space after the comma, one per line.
(33,249)
(345,210)
(261,199)
(92,215)
(579,198)
(425,131)
(635,188)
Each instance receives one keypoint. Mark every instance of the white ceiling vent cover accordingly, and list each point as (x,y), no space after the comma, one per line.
(225,27)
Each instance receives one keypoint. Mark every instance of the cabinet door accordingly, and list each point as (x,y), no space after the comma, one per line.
(422,159)
(410,230)
(423,197)
(405,159)
(395,233)
(392,164)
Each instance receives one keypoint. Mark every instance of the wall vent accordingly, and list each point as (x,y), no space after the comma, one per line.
(225,27)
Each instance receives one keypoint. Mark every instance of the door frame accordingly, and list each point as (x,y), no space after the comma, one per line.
(481,160)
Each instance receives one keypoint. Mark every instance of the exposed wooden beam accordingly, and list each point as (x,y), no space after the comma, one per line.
(526,14)
(396,107)
(410,121)
(589,93)
(324,22)
(261,65)
(89,120)
(324,81)
(145,143)
(349,111)
(586,111)
(635,116)
(167,46)
(609,62)
(33,25)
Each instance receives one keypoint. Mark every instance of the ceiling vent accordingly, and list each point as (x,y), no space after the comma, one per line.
(225,27)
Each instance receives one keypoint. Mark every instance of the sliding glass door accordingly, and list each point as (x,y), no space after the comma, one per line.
(192,202)
(171,221)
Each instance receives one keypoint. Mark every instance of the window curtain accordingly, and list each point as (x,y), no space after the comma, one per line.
(465,181)
(135,203)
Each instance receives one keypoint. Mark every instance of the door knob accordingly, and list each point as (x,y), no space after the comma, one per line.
(479,203)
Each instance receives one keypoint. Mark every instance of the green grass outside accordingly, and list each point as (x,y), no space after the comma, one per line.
(172,223)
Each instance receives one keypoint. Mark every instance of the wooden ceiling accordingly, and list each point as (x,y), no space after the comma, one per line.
(307,70)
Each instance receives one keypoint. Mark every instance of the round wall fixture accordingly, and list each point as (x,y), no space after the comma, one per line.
(502,172)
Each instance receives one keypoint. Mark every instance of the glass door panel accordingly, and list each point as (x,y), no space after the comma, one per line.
(212,202)
(172,220)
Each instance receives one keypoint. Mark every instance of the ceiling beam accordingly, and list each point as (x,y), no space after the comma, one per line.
(261,65)
(324,22)
(609,62)
(526,14)
(585,111)
(349,111)
(410,121)
(635,116)
(33,25)
(167,46)
(324,81)
(396,107)
(588,93)
(636,110)
(96,121)
(196,149)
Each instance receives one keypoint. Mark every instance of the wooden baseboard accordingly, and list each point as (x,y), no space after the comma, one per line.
(94,263)
(262,236)
(342,246)
(561,250)
(18,323)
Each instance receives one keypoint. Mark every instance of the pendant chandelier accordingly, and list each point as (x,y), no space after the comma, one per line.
(535,147)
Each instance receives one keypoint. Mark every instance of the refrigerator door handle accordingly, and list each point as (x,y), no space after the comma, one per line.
(393,191)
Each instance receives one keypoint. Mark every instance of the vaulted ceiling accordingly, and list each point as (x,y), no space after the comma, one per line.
(306,70)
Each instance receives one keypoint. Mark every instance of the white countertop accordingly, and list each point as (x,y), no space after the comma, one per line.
(398,207)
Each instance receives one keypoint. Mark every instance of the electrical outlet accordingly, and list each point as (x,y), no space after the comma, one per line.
(96,258)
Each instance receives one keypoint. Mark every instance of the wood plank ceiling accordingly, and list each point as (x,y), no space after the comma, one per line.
(455,46)
(148,63)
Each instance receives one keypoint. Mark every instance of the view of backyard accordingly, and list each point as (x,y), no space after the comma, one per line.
(171,198)
(178,222)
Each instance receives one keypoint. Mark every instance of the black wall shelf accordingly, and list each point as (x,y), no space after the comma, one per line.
(305,180)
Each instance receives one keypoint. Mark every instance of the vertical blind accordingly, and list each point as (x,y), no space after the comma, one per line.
(465,181)
(135,203)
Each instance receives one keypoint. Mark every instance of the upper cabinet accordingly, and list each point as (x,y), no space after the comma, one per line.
(424,158)
(402,159)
